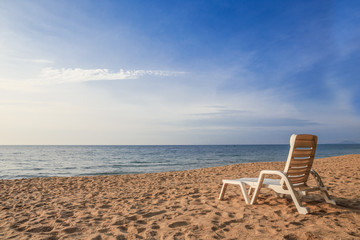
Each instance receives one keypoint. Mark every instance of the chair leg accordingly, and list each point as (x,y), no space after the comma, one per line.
(322,187)
(251,189)
(243,190)
(326,196)
(223,189)
(257,189)
(295,197)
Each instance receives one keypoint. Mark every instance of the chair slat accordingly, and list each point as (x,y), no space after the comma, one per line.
(299,165)
(295,180)
(304,144)
(303,153)
(305,137)
(301,161)
(297,171)
(299,185)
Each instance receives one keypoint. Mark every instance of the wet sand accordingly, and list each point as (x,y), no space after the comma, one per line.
(179,205)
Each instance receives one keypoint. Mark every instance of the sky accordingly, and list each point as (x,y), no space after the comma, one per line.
(178,72)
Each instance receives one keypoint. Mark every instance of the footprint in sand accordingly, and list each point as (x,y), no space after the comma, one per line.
(155,226)
(142,222)
(153,233)
(296,223)
(71,230)
(227,223)
(104,230)
(132,218)
(140,230)
(290,237)
(40,229)
(178,224)
(123,229)
(66,214)
(17,227)
(249,227)
(105,206)
(120,237)
(152,214)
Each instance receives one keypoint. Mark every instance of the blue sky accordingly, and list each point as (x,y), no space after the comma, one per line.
(178,72)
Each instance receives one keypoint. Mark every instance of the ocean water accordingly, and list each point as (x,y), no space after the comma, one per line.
(48,161)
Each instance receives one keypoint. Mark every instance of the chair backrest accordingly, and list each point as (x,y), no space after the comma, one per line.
(300,159)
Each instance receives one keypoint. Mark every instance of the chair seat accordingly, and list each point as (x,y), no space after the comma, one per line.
(252,182)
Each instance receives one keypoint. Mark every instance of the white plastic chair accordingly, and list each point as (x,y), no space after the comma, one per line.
(293,180)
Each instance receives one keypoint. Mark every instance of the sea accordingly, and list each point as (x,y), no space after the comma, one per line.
(18,162)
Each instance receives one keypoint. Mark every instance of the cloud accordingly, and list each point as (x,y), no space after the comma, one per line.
(32,60)
(53,76)
(66,75)
(233,119)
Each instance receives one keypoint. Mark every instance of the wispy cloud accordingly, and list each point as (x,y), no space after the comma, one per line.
(31,60)
(53,76)
(66,75)
(233,119)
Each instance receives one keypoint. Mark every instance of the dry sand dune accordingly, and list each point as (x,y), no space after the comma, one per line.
(178,205)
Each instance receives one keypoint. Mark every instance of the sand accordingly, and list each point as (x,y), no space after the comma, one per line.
(178,205)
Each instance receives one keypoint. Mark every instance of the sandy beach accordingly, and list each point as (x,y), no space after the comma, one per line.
(178,205)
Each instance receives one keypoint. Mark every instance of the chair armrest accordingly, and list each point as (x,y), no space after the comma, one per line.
(284,177)
(273,172)
(260,181)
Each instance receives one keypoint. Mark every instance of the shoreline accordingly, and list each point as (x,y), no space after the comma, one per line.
(38,161)
(178,205)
